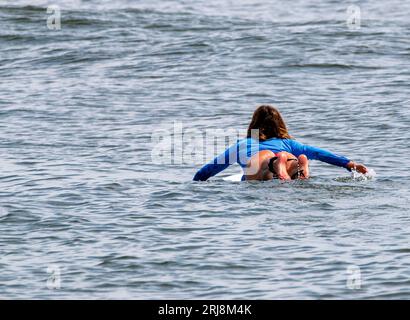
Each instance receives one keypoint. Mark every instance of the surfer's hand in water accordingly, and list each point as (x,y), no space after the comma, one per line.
(357,166)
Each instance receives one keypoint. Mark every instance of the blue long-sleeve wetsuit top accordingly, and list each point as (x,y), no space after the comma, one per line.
(244,149)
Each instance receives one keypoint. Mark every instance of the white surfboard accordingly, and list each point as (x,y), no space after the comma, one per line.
(354,176)
(234,178)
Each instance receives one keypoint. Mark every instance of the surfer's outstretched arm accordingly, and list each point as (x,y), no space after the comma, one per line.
(314,153)
(217,165)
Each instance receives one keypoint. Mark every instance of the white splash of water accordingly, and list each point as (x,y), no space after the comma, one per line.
(370,174)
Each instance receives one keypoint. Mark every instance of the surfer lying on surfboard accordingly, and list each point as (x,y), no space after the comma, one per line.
(270,152)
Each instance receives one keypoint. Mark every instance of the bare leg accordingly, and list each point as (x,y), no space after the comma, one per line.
(292,166)
(258,166)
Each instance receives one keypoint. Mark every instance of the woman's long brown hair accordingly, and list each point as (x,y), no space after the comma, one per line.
(270,124)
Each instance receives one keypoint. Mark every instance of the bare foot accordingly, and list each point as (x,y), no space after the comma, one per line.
(280,166)
(257,167)
(304,167)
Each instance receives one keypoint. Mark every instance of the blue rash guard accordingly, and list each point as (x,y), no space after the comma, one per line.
(244,149)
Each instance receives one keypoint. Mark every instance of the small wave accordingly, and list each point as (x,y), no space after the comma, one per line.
(3,212)
(19,9)
(356,176)
(328,66)
(17,37)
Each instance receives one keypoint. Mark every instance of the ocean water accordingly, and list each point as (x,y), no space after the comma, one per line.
(88,211)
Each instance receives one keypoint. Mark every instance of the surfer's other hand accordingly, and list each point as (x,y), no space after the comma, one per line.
(357,166)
